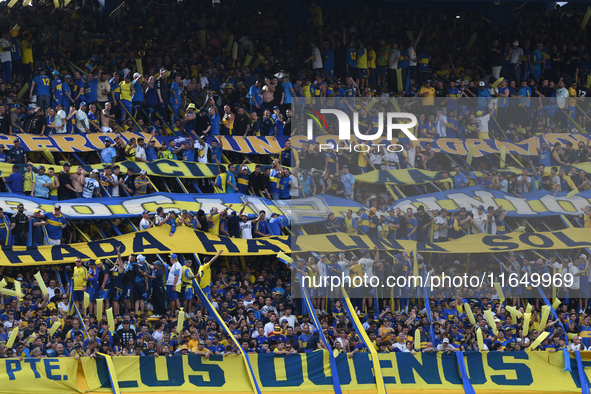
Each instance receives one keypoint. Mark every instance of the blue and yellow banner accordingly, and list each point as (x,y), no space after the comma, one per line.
(157,240)
(535,204)
(273,145)
(491,372)
(294,212)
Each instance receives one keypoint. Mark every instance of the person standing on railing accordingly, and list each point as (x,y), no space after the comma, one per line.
(56,222)
(5,229)
(137,99)
(38,223)
(127,93)
(163,92)
(175,97)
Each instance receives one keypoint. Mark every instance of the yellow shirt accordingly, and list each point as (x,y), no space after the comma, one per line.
(54,191)
(216,224)
(587,221)
(362,58)
(572,94)
(27,52)
(79,276)
(125,90)
(204,274)
(29,178)
(355,271)
(371,59)
(129,155)
(429,99)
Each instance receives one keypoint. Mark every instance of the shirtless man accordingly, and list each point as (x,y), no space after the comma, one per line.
(78,181)
(106,119)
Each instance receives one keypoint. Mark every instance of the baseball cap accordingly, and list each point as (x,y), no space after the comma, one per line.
(29,165)
(173,256)
(472,175)
(68,76)
(162,70)
(445,340)
(399,256)
(145,212)
(143,172)
(82,104)
(41,168)
(57,207)
(191,106)
(244,168)
(276,107)
(159,209)
(479,113)
(184,211)
(141,258)
(95,171)
(16,140)
(37,210)
(481,207)
(135,75)
(55,72)
(497,320)
(481,83)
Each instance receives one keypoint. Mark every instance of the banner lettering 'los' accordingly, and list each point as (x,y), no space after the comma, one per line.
(300,211)
(493,372)
(535,204)
(185,240)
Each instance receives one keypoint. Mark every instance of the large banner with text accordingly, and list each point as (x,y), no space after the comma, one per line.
(491,372)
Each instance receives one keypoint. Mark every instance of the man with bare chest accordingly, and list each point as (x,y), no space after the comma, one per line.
(78,181)
(106,119)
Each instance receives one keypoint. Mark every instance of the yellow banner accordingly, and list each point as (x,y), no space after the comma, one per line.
(185,240)
(490,372)
(163,168)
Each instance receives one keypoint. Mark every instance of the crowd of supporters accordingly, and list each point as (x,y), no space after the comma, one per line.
(74,71)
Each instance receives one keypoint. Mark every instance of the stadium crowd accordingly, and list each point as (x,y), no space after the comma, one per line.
(66,72)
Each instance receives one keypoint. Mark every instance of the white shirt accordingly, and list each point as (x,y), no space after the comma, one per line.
(295,181)
(174,270)
(391,160)
(482,123)
(115,192)
(561,95)
(523,188)
(441,232)
(367,265)
(291,320)
(572,269)
(401,346)
(440,127)
(5,56)
(144,224)
(246,230)
(82,121)
(393,58)
(201,151)
(318,58)
(411,55)
(516,55)
(89,187)
(269,327)
(572,347)
(60,120)
(51,292)
(479,220)
(140,152)
(157,335)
